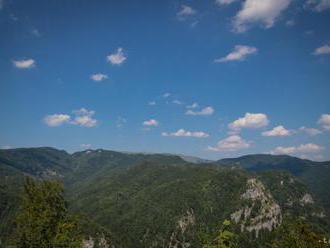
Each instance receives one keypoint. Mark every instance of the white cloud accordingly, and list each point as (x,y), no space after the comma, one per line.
(250,120)
(310,131)
(120,122)
(151,123)
(192,106)
(230,144)
(56,120)
(117,58)
(205,111)
(324,121)
(166,95)
(24,63)
(298,150)
(322,50)
(177,102)
(184,133)
(259,11)
(152,103)
(86,146)
(84,118)
(185,12)
(99,77)
(239,53)
(35,32)
(277,131)
(318,5)
(225,2)
(290,23)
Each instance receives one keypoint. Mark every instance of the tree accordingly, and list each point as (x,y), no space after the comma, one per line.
(225,238)
(43,219)
(299,235)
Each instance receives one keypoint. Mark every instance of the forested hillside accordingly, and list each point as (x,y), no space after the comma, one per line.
(161,200)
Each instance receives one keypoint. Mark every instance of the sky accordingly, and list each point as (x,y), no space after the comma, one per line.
(212,78)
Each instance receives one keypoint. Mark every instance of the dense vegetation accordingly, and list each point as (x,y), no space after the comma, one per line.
(157,200)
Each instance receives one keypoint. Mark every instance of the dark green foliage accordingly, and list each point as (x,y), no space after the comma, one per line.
(153,200)
(297,234)
(225,238)
(43,220)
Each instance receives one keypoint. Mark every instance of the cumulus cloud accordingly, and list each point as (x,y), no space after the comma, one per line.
(310,131)
(250,120)
(298,150)
(192,106)
(258,11)
(24,63)
(177,102)
(205,111)
(318,5)
(277,131)
(151,123)
(324,121)
(225,2)
(230,144)
(185,12)
(166,95)
(84,117)
(184,133)
(99,77)
(56,120)
(117,58)
(239,53)
(322,50)
(81,117)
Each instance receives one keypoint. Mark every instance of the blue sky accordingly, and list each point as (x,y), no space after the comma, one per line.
(205,78)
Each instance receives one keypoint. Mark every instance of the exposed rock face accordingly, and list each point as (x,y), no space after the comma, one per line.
(260,211)
(306,199)
(178,236)
(91,242)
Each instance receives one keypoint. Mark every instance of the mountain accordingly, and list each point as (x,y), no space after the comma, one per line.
(315,175)
(162,200)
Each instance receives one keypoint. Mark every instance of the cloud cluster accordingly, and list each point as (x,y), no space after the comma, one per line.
(322,50)
(258,11)
(24,63)
(224,2)
(150,123)
(184,133)
(298,150)
(98,77)
(230,144)
(81,117)
(277,131)
(250,120)
(56,120)
(192,106)
(324,121)
(205,111)
(310,131)
(239,53)
(117,58)
(318,5)
(185,12)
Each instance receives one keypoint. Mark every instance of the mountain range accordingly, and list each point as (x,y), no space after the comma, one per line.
(165,200)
